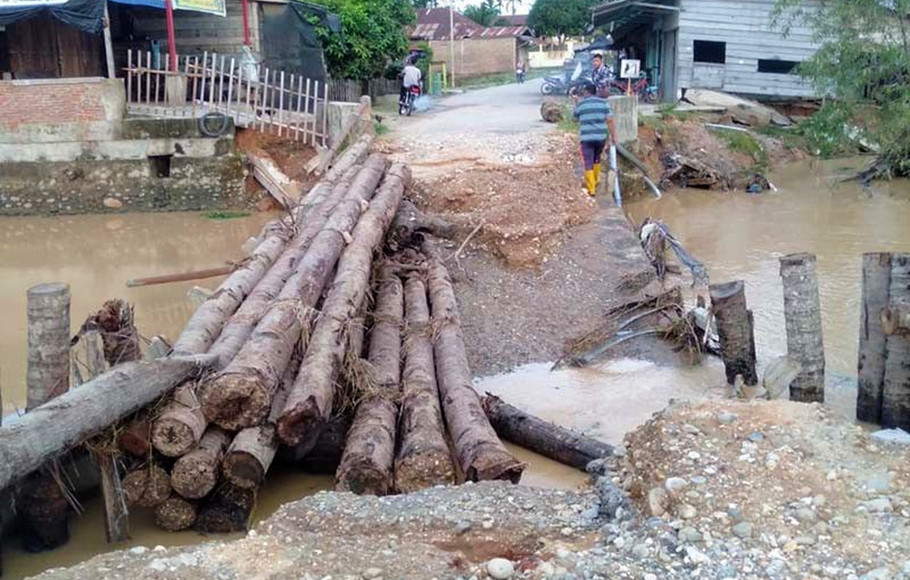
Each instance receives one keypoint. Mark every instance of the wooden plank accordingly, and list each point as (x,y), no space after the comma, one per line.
(315,109)
(280,102)
(129,75)
(285,190)
(213,83)
(205,57)
(299,103)
(230,91)
(148,77)
(264,100)
(272,114)
(325,117)
(221,81)
(306,112)
(116,514)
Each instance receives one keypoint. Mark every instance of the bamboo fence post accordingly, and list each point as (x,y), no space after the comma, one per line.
(263,97)
(280,103)
(221,81)
(735,329)
(230,93)
(802,313)
(315,110)
(896,385)
(306,112)
(325,115)
(201,71)
(272,115)
(129,74)
(148,77)
(870,369)
(299,118)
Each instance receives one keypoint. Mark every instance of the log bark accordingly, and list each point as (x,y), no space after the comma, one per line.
(802,313)
(309,403)
(116,514)
(48,343)
(229,509)
(43,511)
(410,221)
(181,424)
(147,487)
(353,155)
(135,439)
(480,453)
(423,459)
(366,465)
(542,437)
(871,361)
(735,329)
(326,161)
(241,395)
(196,473)
(68,420)
(895,319)
(896,386)
(176,514)
(115,322)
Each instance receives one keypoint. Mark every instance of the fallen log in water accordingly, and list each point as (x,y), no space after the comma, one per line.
(480,452)
(68,420)
(366,466)
(309,403)
(423,458)
(147,486)
(241,395)
(802,314)
(895,319)
(542,437)
(735,328)
(229,509)
(196,473)
(176,514)
(870,371)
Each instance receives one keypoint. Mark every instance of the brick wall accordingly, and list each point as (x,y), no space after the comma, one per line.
(478,56)
(58,101)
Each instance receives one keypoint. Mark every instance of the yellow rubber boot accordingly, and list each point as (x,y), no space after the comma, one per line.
(597,174)
(591,182)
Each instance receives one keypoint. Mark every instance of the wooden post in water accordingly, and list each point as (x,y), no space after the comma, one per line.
(896,387)
(802,313)
(735,330)
(870,370)
(42,503)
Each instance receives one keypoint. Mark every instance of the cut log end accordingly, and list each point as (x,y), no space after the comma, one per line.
(196,473)
(146,487)
(243,470)
(175,514)
(363,478)
(235,401)
(495,465)
(422,470)
(299,424)
(228,510)
(173,437)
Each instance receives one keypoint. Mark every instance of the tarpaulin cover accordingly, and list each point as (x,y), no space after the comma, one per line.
(85,15)
(289,41)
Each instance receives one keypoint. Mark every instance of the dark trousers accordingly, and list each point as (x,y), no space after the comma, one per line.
(591,152)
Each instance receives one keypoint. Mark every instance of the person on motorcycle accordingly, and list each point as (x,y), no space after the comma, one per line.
(601,75)
(520,72)
(410,77)
(594,116)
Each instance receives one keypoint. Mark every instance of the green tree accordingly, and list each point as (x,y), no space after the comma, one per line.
(561,18)
(864,62)
(484,14)
(372,35)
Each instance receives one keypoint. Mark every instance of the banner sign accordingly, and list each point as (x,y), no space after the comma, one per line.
(216,7)
(29,3)
(630,69)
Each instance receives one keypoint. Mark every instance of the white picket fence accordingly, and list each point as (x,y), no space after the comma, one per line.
(254,96)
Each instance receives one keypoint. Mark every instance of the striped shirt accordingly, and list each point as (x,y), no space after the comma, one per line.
(592,114)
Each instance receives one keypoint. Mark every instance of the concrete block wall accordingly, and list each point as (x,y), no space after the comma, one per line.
(625,115)
(478,56)
(27,103)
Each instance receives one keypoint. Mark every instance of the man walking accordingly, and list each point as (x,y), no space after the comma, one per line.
(594,116)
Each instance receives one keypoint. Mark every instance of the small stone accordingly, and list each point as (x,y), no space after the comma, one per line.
(619,542)
(698,479)
(689,534)
(487,524)
(832,475)
(563,554)
(138,550)
(691,429)
(879,505)
(805,540)
(371,573)
(500,569)
(743,530)
(756,437)
(566,532)
(696,557)
(694,455)
(686,511)
(463,527)
(735,513)
(649,577)
(726,417)
(158,565)
(658,501)
(877,574)
(112,203)
(675,485)
(805,515)
(641,551)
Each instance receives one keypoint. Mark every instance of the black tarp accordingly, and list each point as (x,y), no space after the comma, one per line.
(289,40)
(85,15)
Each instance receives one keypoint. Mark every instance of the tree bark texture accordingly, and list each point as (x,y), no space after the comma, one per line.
(116,514)
(366,465)
(802,313)
(896,389)
(147,486)
(48,343)
(871,361)
(423,459)
(241,395)
(410,221)
(43,512)
(359,150)
(195,474)
(309,403)
(135,439)
(229,509)
(735,331)
(542,437)
(480,453)
(68,420)
(175,514)
(181,424)
(115,322)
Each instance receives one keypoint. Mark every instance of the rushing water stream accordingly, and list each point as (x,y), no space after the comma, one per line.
(737,236)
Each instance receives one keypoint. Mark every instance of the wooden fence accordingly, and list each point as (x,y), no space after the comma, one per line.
(350,91)
(254,96)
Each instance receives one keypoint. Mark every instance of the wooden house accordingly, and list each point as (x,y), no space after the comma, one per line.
(724,45)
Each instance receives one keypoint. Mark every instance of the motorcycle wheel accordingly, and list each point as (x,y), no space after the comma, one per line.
(547,89)
(651,97)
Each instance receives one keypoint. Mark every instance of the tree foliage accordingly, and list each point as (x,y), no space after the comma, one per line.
(864,62)
(372,34)
(561,17)
(425,3)
(484,14)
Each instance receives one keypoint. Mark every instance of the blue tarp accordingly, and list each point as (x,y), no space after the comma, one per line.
(149,3)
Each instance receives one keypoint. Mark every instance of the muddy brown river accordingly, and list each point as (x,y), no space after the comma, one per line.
(737,236)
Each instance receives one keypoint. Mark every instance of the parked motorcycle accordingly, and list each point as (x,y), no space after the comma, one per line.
(406,106)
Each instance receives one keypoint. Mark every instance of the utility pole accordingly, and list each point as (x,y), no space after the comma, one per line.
(452,42)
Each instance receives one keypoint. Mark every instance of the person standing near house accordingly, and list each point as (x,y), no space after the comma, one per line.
(595,117)
(600,74)
(410,77)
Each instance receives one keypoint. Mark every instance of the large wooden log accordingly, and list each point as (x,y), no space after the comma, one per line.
(870,368)
(423,459)
(542,437)
(410,221)
(48,372)
(241,395)
(43,512)
(802,313)
(309,403)
(480,453)
(229,509)
(63,423)
(735,329)
(195,474)
(896,386)
(175,514)
(366,465)
(181,424)
(895,319)
(147,486)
